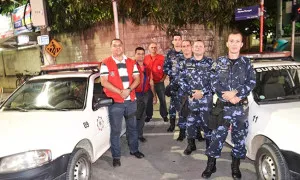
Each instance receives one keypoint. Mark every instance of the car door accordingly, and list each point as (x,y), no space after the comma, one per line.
(100,119)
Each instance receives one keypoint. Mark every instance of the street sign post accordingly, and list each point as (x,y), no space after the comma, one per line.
(250,12)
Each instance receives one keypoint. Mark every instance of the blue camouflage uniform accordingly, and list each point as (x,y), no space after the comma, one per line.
(230,75)
(196,76)
(171,69)
(180,91)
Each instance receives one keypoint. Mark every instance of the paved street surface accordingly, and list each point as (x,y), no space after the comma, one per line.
(164,159)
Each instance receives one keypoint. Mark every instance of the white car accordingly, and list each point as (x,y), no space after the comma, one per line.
(274,118)
(54,126)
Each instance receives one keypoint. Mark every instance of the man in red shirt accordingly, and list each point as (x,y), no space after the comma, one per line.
(142,91)
(119,77)
(156,62)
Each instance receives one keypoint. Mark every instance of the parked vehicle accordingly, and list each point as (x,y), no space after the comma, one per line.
(55,125)
(274,107)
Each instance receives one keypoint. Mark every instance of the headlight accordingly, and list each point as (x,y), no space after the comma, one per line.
(23,161)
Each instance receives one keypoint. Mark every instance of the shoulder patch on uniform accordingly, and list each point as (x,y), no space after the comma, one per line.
(214,65)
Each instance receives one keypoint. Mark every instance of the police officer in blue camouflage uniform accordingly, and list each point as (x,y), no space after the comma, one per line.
(195,81)
(181,95)
(233,79)
(170,69)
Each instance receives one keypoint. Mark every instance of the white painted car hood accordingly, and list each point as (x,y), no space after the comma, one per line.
(283,126)
(24,131)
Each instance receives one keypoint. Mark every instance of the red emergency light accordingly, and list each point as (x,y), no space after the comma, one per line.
(77,66)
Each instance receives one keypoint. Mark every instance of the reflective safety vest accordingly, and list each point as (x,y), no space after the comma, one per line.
(115,79)
(145,74)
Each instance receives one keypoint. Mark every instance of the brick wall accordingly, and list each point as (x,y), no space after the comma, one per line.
(94,44)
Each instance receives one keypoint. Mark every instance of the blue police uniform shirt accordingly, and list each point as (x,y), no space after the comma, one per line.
(171,61)
(196,75)
(228,76)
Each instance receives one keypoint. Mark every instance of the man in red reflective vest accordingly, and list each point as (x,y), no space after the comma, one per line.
(119,77)
(142,91)
(156,62)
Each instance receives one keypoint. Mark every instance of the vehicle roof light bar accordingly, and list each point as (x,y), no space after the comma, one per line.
(77,66)
(268,55)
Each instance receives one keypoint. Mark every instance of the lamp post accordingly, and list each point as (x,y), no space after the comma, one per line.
(116,21)
(261,26)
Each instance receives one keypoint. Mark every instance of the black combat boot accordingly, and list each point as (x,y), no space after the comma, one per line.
(235,168)
(172,124)
(181,135)
(199,135)
(190,147)
(210,168)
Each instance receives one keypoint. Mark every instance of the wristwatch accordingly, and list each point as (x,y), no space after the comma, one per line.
(129,89)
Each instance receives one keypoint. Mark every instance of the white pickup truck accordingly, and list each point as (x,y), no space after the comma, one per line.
(55,125)
(274,117)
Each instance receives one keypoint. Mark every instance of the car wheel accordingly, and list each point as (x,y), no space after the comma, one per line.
(270,164)
(79,166)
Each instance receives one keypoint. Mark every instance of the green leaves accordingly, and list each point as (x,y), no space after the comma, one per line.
(78,15)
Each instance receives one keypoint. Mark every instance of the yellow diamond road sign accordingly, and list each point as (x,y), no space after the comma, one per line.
(53,48)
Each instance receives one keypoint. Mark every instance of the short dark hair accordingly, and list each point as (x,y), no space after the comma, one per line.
(116,39)
(139,48)
(176,34)
(235,31)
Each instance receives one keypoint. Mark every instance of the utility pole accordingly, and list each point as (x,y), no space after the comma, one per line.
(279,20)
(39,18)
(261,33)
(293,33)
(116,21)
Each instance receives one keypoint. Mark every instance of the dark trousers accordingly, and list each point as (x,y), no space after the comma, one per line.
(160,91)
(149,110)
(142,100)
(116,113)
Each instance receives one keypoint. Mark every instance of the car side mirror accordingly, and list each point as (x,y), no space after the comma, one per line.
(102,102)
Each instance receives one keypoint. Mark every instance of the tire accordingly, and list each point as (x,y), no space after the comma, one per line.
(79,166)
(270,163)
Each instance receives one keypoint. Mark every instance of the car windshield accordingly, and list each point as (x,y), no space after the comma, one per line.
(49,94)
(275,84)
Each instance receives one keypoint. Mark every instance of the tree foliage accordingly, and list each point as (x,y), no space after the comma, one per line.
(77,15)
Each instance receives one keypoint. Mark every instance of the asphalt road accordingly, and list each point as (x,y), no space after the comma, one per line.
(164,159)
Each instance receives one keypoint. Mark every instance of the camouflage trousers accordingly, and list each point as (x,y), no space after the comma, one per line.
(175,107)
(238,118)
(196,120)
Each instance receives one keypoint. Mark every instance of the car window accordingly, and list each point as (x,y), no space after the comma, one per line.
(98,92)
(277,85)
(50,94)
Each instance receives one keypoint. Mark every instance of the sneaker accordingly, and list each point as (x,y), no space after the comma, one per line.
(142,139)
(166,119)
(148,119)
(116,162)
(138,154)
